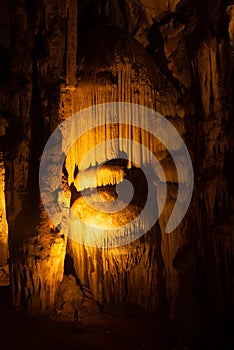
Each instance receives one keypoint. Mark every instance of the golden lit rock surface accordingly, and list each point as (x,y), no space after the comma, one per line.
(3,221)
(59,57)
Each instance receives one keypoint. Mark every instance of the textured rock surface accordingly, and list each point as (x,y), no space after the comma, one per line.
(176,57)
(3,221)
(4,268)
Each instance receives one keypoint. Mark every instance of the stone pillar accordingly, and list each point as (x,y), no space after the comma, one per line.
(4,275)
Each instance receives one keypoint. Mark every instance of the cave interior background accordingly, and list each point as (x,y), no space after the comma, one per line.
(58,57)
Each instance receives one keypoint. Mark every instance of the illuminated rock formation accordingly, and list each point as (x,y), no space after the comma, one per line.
(4,269)
(63,56)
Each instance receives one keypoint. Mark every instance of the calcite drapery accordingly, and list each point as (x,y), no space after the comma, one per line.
(191,47)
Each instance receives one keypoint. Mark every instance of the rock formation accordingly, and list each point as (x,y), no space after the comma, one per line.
(58,57)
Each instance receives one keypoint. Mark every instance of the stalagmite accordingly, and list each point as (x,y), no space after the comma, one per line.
(3,222)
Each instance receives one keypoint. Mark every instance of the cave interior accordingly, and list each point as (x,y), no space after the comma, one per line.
(65,284)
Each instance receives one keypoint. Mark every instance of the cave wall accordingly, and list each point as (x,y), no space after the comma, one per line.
(56,59)
(4,254)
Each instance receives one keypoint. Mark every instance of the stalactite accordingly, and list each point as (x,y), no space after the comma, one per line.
(102,269)
(136,82)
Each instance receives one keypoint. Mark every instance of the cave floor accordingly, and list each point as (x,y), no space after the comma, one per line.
(112,329)
(96,331)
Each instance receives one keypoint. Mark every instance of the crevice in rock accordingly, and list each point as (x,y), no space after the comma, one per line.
(156,50)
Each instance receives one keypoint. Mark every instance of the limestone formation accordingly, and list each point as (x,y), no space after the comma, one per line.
(58,57)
